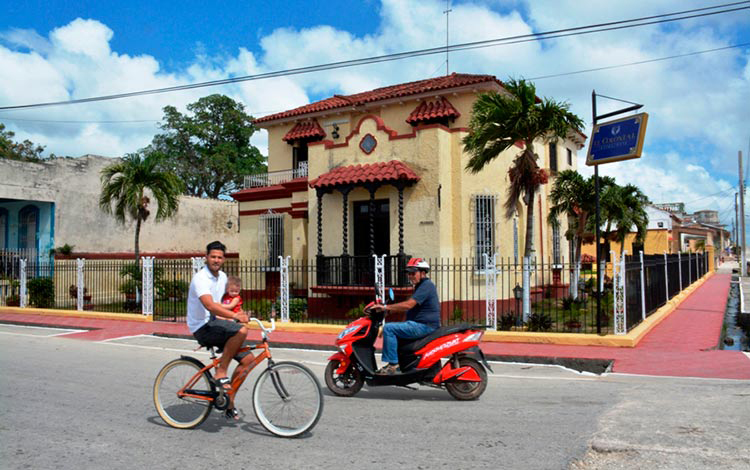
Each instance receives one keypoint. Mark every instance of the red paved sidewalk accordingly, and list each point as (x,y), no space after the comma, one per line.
(681,345)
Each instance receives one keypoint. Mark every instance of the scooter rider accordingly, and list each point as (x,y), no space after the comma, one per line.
(422,314)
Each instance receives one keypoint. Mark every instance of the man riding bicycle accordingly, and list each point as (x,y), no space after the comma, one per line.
(211,323)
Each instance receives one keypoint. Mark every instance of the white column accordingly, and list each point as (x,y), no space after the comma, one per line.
(80,283)
(643,290)
(380,276)
(618,285)
(284,286)
(22,275)
(526,289)
(490,289)
(147,278)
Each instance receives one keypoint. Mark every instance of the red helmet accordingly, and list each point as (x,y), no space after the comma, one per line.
(417,264)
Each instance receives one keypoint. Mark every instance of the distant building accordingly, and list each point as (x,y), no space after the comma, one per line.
(56,202)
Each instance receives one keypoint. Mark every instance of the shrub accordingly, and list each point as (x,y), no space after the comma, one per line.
(297,309)
(507,321)
(259,308)
(539,322)
(356,312)
(42,292)
(176,289)
(458,314)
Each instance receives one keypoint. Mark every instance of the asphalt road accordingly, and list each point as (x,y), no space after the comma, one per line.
(75,404)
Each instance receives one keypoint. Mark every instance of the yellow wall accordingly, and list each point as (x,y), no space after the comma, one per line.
(436,155)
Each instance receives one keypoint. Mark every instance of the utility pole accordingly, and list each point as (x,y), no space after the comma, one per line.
(447,13)
(735,227)
(743,266)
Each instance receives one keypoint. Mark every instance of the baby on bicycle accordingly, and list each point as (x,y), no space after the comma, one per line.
(232,299)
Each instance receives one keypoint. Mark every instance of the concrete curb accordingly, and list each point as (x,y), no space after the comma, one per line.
(629,340)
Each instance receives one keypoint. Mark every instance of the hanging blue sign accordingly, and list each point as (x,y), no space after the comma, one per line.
(617,140)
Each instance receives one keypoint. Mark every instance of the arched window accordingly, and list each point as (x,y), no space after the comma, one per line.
(28,228)
(4,228)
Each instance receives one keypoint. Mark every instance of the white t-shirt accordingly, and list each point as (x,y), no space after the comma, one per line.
(203,283)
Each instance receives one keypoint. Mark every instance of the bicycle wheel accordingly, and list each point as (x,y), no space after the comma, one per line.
(186,412)
(287,399)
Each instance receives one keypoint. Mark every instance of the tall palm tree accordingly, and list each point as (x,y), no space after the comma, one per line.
(126,185)
(624,207)
(498,121)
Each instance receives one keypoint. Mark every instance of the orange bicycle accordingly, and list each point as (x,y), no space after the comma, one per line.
(287,398)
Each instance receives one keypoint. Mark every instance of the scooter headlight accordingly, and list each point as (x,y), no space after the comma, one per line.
(348,331)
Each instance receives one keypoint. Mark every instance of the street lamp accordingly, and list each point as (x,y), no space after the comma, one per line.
(518,294)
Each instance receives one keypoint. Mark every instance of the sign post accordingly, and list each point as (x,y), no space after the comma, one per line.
(612,141)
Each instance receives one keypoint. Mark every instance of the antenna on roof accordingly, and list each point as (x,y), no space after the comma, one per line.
(447,15)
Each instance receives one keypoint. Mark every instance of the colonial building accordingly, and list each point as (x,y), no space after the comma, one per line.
(383,172)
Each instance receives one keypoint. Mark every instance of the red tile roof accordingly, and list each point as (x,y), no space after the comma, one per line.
(305,130)
(429,110)
(453,80)
(382,172)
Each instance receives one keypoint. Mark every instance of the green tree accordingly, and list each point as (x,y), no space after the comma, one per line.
(498,121)
(624,207)
(24,151)
(209,150)
(126,186)
(575,197)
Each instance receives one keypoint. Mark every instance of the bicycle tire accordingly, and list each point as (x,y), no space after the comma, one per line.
(181,413)
(287,399)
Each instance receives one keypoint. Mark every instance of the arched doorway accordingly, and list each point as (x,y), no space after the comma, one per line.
(28,228)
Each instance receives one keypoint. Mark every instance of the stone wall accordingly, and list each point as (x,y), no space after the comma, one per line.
(73,186)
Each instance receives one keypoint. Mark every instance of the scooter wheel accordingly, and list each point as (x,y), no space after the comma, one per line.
(346,384)
(461,390)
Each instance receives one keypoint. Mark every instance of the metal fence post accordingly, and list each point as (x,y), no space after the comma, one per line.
(679,263)
(80,283)
(666,276)
(643,290)
(690,271)
(526,289)
(284,286)
(22,281)
(490,288)
(147,280)
(697,268)
(380,276)
(620,313)
(197,263)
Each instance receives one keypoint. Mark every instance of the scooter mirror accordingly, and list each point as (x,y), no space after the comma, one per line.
(390,294)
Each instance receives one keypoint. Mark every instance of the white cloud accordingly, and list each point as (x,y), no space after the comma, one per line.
(697,104)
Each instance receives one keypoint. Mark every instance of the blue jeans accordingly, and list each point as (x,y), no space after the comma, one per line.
(405,330)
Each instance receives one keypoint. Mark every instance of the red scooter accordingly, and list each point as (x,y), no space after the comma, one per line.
(462,373)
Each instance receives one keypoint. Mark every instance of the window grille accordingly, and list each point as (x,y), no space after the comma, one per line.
(556,253)
(553,156)
(484,224)
(271,237)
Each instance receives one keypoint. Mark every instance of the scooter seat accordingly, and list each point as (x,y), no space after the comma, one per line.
(411,345)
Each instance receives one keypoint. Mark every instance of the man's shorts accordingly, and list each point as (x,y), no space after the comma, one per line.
(217,332)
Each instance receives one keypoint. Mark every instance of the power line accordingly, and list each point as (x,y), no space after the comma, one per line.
(641,62)
(580,30)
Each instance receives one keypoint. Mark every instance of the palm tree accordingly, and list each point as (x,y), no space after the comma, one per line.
(498,121)
(624,207)
(126,184)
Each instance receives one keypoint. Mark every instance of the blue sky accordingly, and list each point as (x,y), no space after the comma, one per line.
(698,105)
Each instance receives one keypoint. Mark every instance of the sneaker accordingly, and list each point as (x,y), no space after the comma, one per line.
(389,369)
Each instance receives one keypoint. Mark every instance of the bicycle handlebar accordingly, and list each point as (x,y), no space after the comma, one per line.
(264,331)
